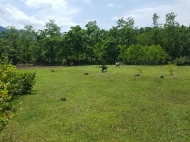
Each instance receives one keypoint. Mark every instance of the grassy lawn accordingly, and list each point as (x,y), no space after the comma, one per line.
(114,106)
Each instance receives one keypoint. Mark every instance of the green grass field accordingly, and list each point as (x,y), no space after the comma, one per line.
(114,106)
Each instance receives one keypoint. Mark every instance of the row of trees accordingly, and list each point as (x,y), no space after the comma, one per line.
(148,45)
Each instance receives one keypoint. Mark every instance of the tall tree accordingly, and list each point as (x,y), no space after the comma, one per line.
(170,35)
(155,20)
(49,38)
(10,45)
(111,43)
(184,41)
(76,41)
(126,31)
(100,48)
(27,43)
(91,37)
(52,29)
(155,32)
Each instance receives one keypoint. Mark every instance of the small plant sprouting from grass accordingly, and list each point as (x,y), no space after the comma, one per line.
(52,70)
(170,68)
(140,70)
(64,62)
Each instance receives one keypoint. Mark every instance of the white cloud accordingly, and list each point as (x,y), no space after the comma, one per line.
(38,12)
(115,18)
(110,5)
(46,3)
(87,1)
(106,26)
(143,16)
(41,11)
(14,16)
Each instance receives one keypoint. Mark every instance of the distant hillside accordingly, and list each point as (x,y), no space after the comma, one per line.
(2,29)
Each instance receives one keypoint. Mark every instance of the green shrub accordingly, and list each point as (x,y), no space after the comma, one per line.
(6,110)
(180,61)
(148,55)
(12,82)
(9,76)
(27,81)
(19,82)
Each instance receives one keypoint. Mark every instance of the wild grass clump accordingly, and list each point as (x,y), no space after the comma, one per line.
(139,70)
(170,68)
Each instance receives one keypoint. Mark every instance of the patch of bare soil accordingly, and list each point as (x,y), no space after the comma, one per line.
(23,66)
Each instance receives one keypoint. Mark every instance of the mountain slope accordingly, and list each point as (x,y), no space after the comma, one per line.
(2,29)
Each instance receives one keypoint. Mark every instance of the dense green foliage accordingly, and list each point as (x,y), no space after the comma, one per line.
(92,45)
(151,55)
(13,82)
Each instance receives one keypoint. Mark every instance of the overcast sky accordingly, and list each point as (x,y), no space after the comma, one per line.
(67,13)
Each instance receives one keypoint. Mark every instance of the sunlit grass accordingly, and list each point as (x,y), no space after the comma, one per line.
(114,106)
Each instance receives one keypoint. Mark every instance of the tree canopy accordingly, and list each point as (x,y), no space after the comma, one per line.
(157,44)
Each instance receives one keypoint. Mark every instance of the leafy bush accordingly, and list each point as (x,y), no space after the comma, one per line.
(180,61)
(27,81)
(18,81)
(4,98)
(9,76)
(64,62)
(7,111)
(148,55)
(12,82)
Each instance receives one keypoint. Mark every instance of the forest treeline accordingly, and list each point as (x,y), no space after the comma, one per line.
(159,44)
